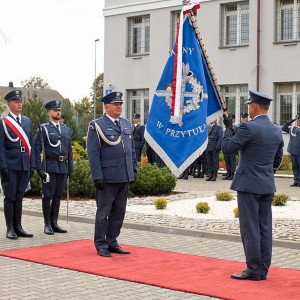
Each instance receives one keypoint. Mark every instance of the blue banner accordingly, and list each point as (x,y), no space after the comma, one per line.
(179,144)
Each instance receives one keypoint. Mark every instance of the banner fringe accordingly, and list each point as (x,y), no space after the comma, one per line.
(162,154)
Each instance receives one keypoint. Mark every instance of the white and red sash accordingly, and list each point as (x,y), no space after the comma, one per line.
(177,71)
(18,130)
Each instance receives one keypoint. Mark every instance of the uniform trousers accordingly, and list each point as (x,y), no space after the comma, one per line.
(138,154)
(255,216)
(55,188)
(296,167)
(230,162)
(212,160)
(14,188)
(111,208)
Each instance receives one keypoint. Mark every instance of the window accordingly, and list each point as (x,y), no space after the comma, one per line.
(235,97)
(138,103)
(175,17)
(288,20)
(288,101)
(235,24)
(139,35)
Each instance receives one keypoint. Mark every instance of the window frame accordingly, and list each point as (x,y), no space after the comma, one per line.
(138,42)
(141,107)
(293,29)
(241,37)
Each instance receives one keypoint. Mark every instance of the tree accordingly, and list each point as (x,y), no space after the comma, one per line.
(34,109)
(36,83)
(84,106)
(3,105)
(71,119)
(99,94)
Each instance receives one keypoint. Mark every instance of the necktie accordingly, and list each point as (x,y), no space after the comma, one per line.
(117,123)
(57,127)
(18,120)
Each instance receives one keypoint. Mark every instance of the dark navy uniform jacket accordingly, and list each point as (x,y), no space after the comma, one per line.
(214,138)
(138,135)
(294,143)
(111,163)
(58,148)
(11,156)
(260,145)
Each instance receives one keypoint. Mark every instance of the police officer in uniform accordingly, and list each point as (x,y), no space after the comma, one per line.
(213,149)
(138,136)
(260,146)
(113,166)
(15,163)
(53,139)
(294,147)
(230,159)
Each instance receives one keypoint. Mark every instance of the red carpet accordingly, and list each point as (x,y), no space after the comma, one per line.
(182,272)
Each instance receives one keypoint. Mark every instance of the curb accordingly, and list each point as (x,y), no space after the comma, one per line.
(172,230)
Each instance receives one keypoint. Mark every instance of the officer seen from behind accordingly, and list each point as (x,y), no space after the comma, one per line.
(53,139)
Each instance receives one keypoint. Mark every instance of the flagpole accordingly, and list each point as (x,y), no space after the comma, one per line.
(207,61)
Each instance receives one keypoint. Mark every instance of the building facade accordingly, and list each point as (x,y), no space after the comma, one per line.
(252,44)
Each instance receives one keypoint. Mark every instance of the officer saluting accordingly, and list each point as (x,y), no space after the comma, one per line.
(53,139)
(15,163)
(113,165)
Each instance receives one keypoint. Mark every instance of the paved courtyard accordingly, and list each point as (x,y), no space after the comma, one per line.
(26,280)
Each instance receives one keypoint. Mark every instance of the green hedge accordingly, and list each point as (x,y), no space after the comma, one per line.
(151,181)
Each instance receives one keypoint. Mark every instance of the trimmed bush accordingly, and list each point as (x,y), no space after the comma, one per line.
(280,199)
(224,196)
(81,183)
(236,212)
(160,203)
(153,180)
(202,208)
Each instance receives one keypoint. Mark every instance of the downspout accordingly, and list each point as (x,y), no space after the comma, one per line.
(258,46)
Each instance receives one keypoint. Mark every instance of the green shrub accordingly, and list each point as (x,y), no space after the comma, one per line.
(153,180)
(35,184)
(202,208)
(160,203)
(236,212)
(79,152)
(286,163)
(81,183)
(280,199)
(224,196)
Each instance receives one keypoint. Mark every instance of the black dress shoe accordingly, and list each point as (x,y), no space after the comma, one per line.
(244,276)
(104,252)
(298,185)
(118,250)
(294,184)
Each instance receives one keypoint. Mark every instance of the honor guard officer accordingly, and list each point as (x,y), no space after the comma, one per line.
(294,147)
(260,146)
(15,163)
(138,131)
(53,139)
(213,149)
(113,166)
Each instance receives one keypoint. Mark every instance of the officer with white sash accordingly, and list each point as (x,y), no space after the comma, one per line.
(15,163)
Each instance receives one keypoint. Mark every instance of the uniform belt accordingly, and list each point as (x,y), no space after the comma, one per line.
(59,158)
(21,149)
